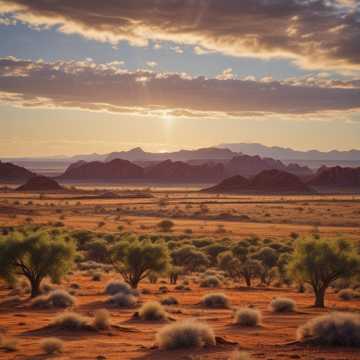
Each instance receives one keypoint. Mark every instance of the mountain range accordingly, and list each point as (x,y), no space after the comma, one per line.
(176,171)
(311,157)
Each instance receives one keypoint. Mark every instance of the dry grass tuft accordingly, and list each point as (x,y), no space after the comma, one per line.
(336,329)
(122,300)
(152,311)
(102,320)
(216,300)
(281,305)
(185,334)
(247,317)
(52,346)
(71,321)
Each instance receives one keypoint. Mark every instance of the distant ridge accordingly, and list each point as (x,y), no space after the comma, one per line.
(12,172)
(282,153)
(117,169)
(176,171)
(266,182)
(335,177)
(40,183)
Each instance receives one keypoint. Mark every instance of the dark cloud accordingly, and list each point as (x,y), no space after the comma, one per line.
(86,85)
(316,33)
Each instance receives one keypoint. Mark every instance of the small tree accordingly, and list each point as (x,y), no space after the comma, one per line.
(320,262)
(97,250)
(35,256)
(190,258)
(136,260)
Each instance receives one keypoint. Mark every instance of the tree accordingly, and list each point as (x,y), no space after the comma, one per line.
(136,260)
(35,256)
(97,250)
(319,262)
(236,268)
(190,258)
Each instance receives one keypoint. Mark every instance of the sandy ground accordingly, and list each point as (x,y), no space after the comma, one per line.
(273,340)
(206,215)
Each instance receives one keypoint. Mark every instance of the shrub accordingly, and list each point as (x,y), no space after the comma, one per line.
(122,300)
(165,225)
(52,346)
(210,282)
(280,305)
(247,317)
(70,321)
(216,301)
(170,300)
(56,298)
(348,294)
(185,334)
(102,320)
(336,329)
(61,298)
(96,276)
(116,287)
(152,311)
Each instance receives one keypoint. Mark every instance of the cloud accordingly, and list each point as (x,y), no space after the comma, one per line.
(109,87)
(313,33)
(177,49)
(151,64)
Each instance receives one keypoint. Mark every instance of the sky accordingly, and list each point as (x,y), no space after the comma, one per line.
(82,76)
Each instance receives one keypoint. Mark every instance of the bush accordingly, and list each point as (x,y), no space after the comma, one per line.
(52,346)
(280,305)
(56,298)
(116,287)
(165,225)
(70,321)
(216,301)
(170,300)
(348,294)
(122,300)
(152,311)
(61,298)
(337,329)
(247,317)
(185,334)
(102,320)
(210,282)
(96,276)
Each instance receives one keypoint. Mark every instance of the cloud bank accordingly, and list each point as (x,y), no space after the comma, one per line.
(109,87)
(314,33)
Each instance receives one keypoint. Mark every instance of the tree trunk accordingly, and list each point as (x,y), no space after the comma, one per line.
(248,281)
(320,298)
(35,287)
